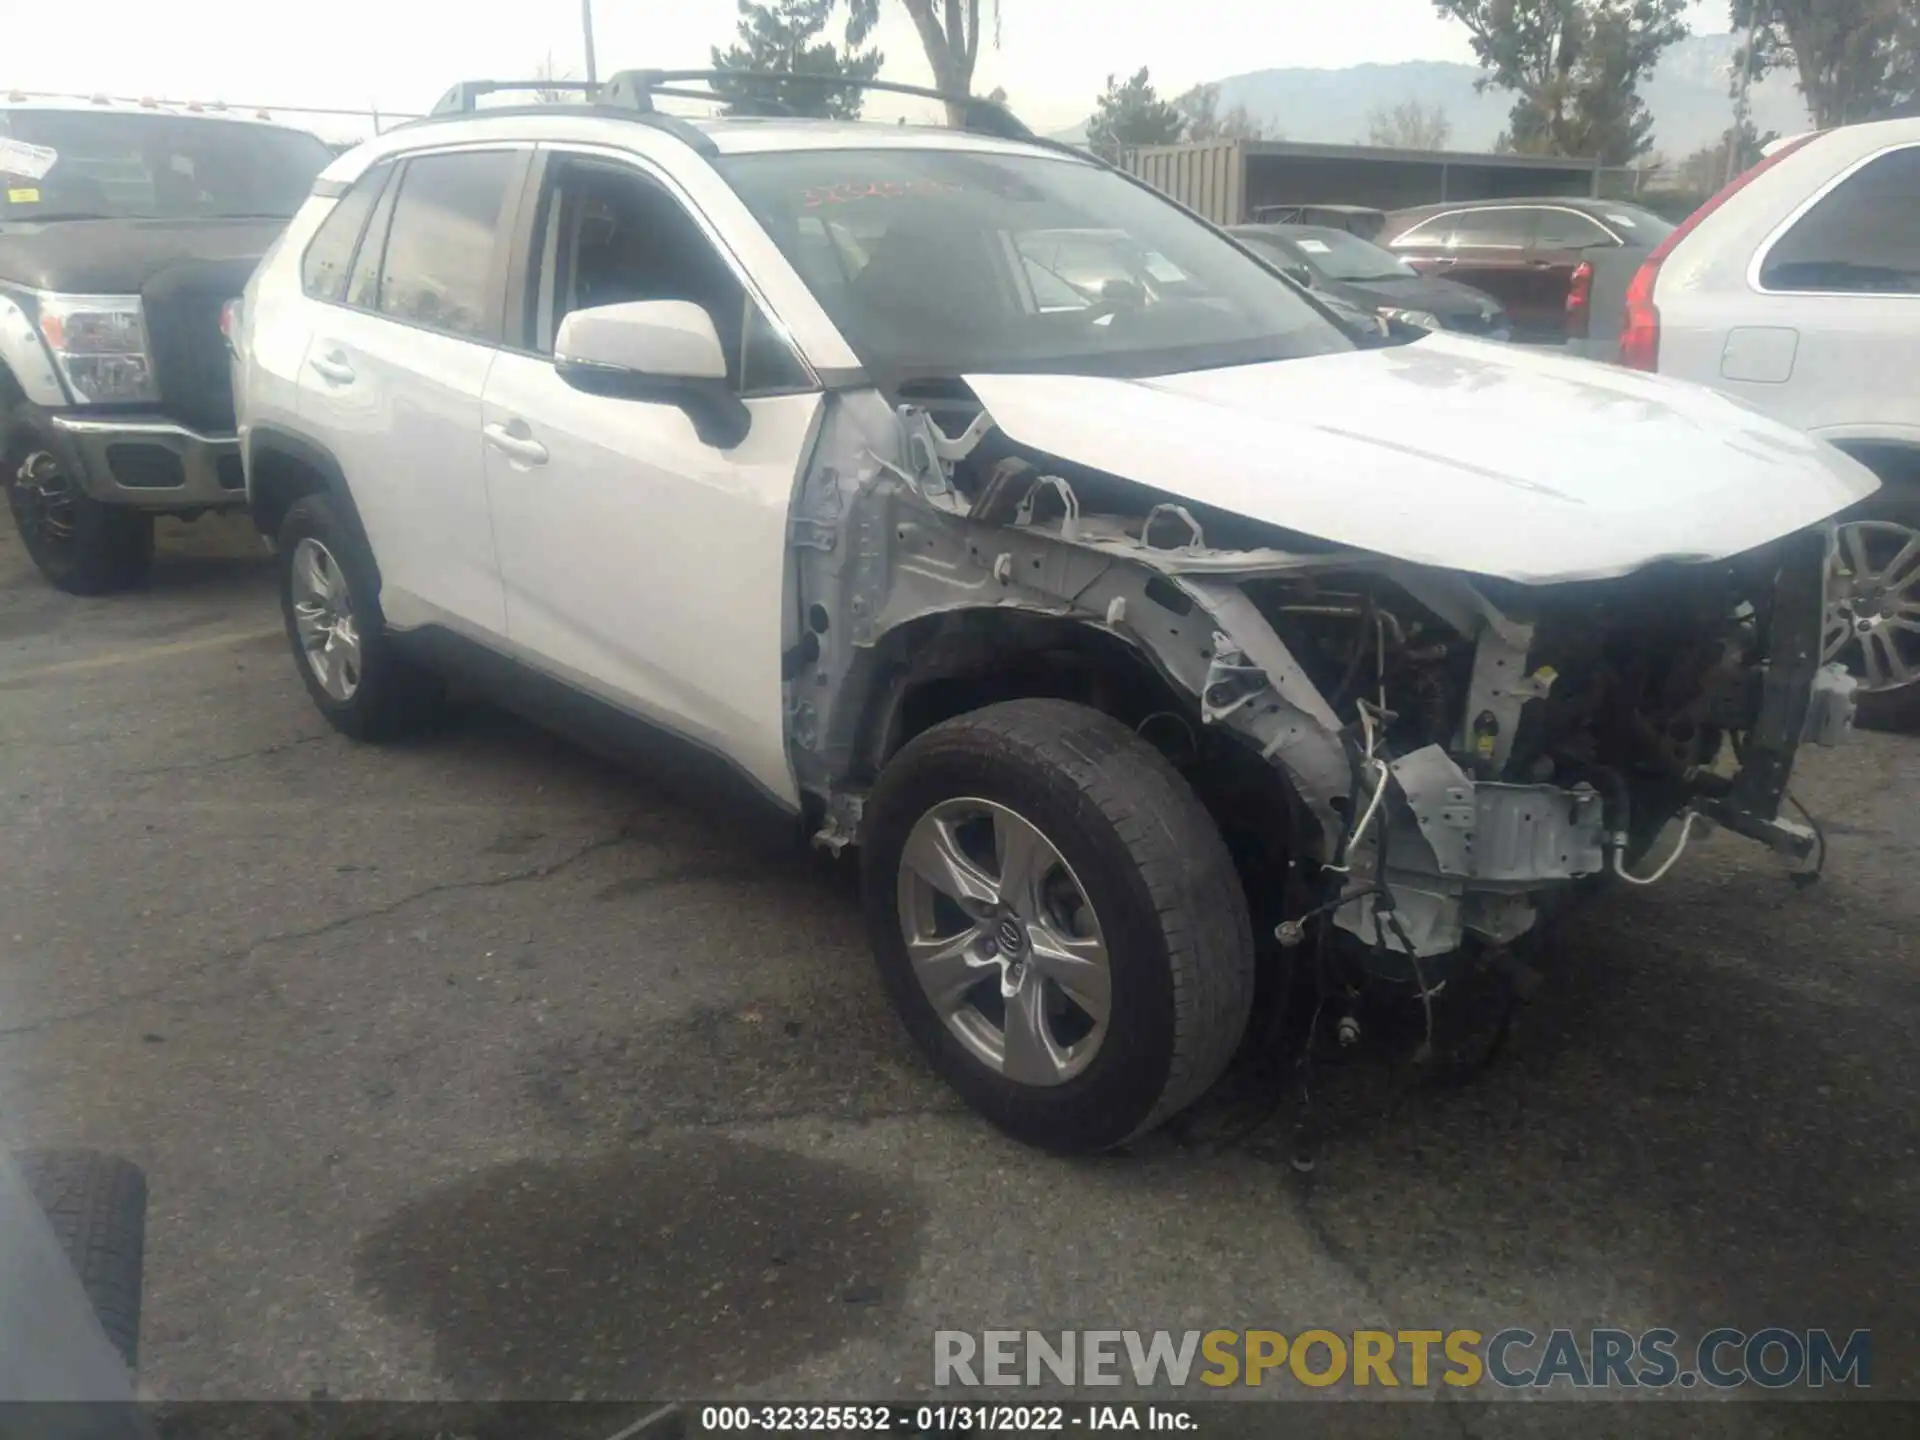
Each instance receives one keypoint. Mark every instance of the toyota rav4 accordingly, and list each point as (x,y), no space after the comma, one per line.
(1129,632)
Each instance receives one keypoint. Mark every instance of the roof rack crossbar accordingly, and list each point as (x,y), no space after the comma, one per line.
(464,98)
(635,89)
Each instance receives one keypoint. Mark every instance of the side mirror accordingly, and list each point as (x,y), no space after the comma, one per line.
(663,351)
(1300,275)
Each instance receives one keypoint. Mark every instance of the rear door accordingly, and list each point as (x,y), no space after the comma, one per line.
(394,375)
(1563,240)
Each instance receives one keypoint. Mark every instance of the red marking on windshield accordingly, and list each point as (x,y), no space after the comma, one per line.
(814,196)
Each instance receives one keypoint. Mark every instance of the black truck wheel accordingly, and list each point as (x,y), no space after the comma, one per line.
(81,545)
(97,1205)
(1057,922)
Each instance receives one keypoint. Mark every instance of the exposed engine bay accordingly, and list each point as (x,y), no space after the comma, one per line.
(1454,753)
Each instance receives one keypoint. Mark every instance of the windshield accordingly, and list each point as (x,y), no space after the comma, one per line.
(1340,255)
(943,261)
(115,165)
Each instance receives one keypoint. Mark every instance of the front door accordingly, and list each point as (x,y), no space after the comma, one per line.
(641,563)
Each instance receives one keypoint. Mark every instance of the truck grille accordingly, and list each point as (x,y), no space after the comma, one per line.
(190,360)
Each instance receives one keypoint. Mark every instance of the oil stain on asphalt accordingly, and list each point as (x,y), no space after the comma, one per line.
(692,1266)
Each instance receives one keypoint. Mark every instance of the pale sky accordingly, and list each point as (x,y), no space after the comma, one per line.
(400,55)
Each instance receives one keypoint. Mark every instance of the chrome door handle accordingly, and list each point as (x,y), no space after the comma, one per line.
(332,366)
(521,447)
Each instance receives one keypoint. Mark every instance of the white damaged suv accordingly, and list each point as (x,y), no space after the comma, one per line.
(1136,636)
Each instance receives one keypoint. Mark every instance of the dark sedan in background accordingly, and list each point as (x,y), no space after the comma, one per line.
(1334,262)
(1537,257)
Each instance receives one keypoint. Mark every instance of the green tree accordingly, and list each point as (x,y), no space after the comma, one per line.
(1130,113)
(1855,59)
(949,33)
(782,37)
(1200,107)
(1575,68)
(1411,126)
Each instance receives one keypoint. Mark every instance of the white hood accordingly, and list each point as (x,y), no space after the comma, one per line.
(1450,452)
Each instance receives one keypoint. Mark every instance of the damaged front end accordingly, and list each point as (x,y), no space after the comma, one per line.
(1457,752)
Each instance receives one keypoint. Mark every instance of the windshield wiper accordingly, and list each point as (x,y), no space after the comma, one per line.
(60,215)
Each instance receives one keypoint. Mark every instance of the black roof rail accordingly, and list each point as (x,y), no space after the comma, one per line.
(635,90)
(464,98)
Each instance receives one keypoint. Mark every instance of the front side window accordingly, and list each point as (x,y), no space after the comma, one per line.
(439,268)
(936,262)
(609,236)
(117,165)
(1863,237)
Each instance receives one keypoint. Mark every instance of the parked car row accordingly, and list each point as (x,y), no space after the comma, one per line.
(1136,615)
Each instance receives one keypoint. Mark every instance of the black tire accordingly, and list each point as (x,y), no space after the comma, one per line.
(82,546)
(1154,869)
(97,1205)
(393,698)
(1895,710)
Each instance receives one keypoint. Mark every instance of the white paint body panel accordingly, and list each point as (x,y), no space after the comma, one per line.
(650,562)
(1851,373)
(405,429)
(1450,453)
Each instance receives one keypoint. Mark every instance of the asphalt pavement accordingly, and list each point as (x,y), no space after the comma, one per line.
(474,1067)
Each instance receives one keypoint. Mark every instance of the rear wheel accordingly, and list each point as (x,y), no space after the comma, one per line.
(81,545)
(1873,622)
(1057,921)
(353,671)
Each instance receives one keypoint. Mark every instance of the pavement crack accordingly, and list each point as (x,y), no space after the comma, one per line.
(216,761)
(246,952)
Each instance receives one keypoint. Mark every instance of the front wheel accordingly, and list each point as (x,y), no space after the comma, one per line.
(1057,922)
(79,544)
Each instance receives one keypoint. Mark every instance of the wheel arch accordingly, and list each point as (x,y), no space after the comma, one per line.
(283,468)
(937,667)
(1894,458)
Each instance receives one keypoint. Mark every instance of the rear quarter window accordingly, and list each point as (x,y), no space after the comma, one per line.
(1862,237)
(329,258)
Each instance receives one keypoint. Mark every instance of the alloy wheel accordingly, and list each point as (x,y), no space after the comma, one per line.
(1873,617)
(47,497)
(323,616)
(1004,941)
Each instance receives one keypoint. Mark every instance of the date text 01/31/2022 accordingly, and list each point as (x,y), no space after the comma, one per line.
(943,1419)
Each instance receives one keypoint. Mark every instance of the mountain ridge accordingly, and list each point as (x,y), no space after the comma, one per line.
(1688,95)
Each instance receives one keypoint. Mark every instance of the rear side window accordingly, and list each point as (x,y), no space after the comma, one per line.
(1566,230)
(1861,238)
(1492,229)
(440,269)
(324,268)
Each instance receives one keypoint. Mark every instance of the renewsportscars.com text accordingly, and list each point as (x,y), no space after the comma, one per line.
(1511,1359)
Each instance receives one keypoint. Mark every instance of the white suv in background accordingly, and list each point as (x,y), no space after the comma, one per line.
(1134,637)
(1797,289)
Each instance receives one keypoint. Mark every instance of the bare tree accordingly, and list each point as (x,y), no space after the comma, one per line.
(550,94)
(949,33)
(1411,126)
